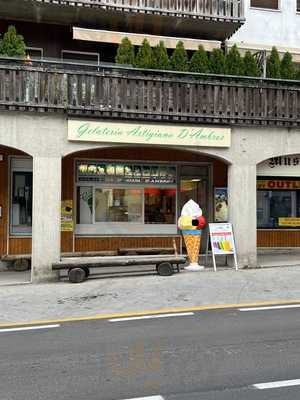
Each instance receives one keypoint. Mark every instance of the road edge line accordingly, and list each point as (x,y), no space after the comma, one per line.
(209,307)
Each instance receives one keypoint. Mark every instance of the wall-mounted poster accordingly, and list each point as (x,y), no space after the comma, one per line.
(67,216)
(221,204)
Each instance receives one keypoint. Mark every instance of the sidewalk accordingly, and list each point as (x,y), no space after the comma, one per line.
(144,293)
(266,258)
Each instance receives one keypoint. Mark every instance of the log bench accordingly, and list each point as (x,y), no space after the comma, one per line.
(78,268)
(145,250)
(21,262)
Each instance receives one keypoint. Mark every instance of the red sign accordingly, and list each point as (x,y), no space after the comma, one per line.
(278,184)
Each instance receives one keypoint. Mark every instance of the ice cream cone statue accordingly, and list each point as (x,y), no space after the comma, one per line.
(191,223)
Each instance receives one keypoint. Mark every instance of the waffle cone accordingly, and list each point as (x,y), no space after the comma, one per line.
(192,243)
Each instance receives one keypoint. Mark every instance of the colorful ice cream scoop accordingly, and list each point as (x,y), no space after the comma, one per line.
(201,222)
(185,222)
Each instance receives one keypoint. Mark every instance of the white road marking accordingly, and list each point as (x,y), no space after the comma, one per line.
(148,398)
(278,384)
(270,307)
(29,328)
(152,317)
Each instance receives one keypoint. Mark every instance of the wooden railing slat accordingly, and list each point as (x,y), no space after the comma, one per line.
(151,96)
(213,8)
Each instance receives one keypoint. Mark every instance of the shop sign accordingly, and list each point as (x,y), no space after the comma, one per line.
(278,184)
(280,166)
(222,241)
(117,172)
(133,133)
(67,216)
(289,222)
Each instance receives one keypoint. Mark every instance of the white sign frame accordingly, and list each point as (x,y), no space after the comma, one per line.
(217,230)
(103,131)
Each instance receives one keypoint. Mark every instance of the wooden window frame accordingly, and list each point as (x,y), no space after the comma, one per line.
(264,7)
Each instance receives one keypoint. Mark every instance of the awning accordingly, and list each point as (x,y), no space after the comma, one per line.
(244,46)
(136,39)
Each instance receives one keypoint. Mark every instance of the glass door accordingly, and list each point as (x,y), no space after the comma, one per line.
(21,203)
(194,184)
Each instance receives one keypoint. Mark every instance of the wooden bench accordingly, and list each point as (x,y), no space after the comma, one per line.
(79,268)
(17,262)
(145,250)
(21,262)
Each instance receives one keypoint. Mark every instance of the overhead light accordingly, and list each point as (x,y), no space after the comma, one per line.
(196,180)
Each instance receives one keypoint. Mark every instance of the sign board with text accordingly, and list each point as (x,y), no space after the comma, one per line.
(151,134)
(280,166)
(222,241)
(287,222)
(277,184)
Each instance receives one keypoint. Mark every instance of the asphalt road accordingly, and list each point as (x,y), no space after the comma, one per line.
(209,355)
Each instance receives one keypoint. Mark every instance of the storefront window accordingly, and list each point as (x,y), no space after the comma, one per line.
(277,205)
(84,205)
(126,198)
(21,197)
(160,206)
(118,205)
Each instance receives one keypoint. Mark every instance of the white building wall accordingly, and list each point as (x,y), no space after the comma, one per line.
(45,138)
(266,28)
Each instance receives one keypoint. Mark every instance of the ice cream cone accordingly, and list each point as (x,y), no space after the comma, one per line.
(192,243)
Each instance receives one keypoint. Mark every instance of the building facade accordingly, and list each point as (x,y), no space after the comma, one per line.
(98,157)
(270,23)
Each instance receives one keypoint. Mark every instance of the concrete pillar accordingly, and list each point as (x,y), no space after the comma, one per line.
(45,217)
(242,211)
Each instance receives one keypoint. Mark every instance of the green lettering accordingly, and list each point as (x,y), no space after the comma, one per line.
(82,130)
(183,133)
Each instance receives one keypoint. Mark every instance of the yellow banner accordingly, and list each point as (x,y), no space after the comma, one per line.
(166,134)
(292,222)
(67,216)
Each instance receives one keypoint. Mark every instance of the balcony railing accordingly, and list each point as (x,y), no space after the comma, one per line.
(107,91)
(218,9)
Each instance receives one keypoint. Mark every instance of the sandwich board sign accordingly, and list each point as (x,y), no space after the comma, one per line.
(222,241)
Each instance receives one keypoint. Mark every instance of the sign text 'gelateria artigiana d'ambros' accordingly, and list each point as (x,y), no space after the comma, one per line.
(168,135)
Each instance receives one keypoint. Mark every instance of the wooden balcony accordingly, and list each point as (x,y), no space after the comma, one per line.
(207,19)
(117,93)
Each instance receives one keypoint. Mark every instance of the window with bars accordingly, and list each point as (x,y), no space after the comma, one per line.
(267,4)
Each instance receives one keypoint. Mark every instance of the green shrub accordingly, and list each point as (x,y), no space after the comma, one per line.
(125,52)
(234,63)
(273,64)
(12,44)
(179,59)
(287,69)
(199,61)
(250,65)
(217,62)
(144,57)
(160,57)
(297,74)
